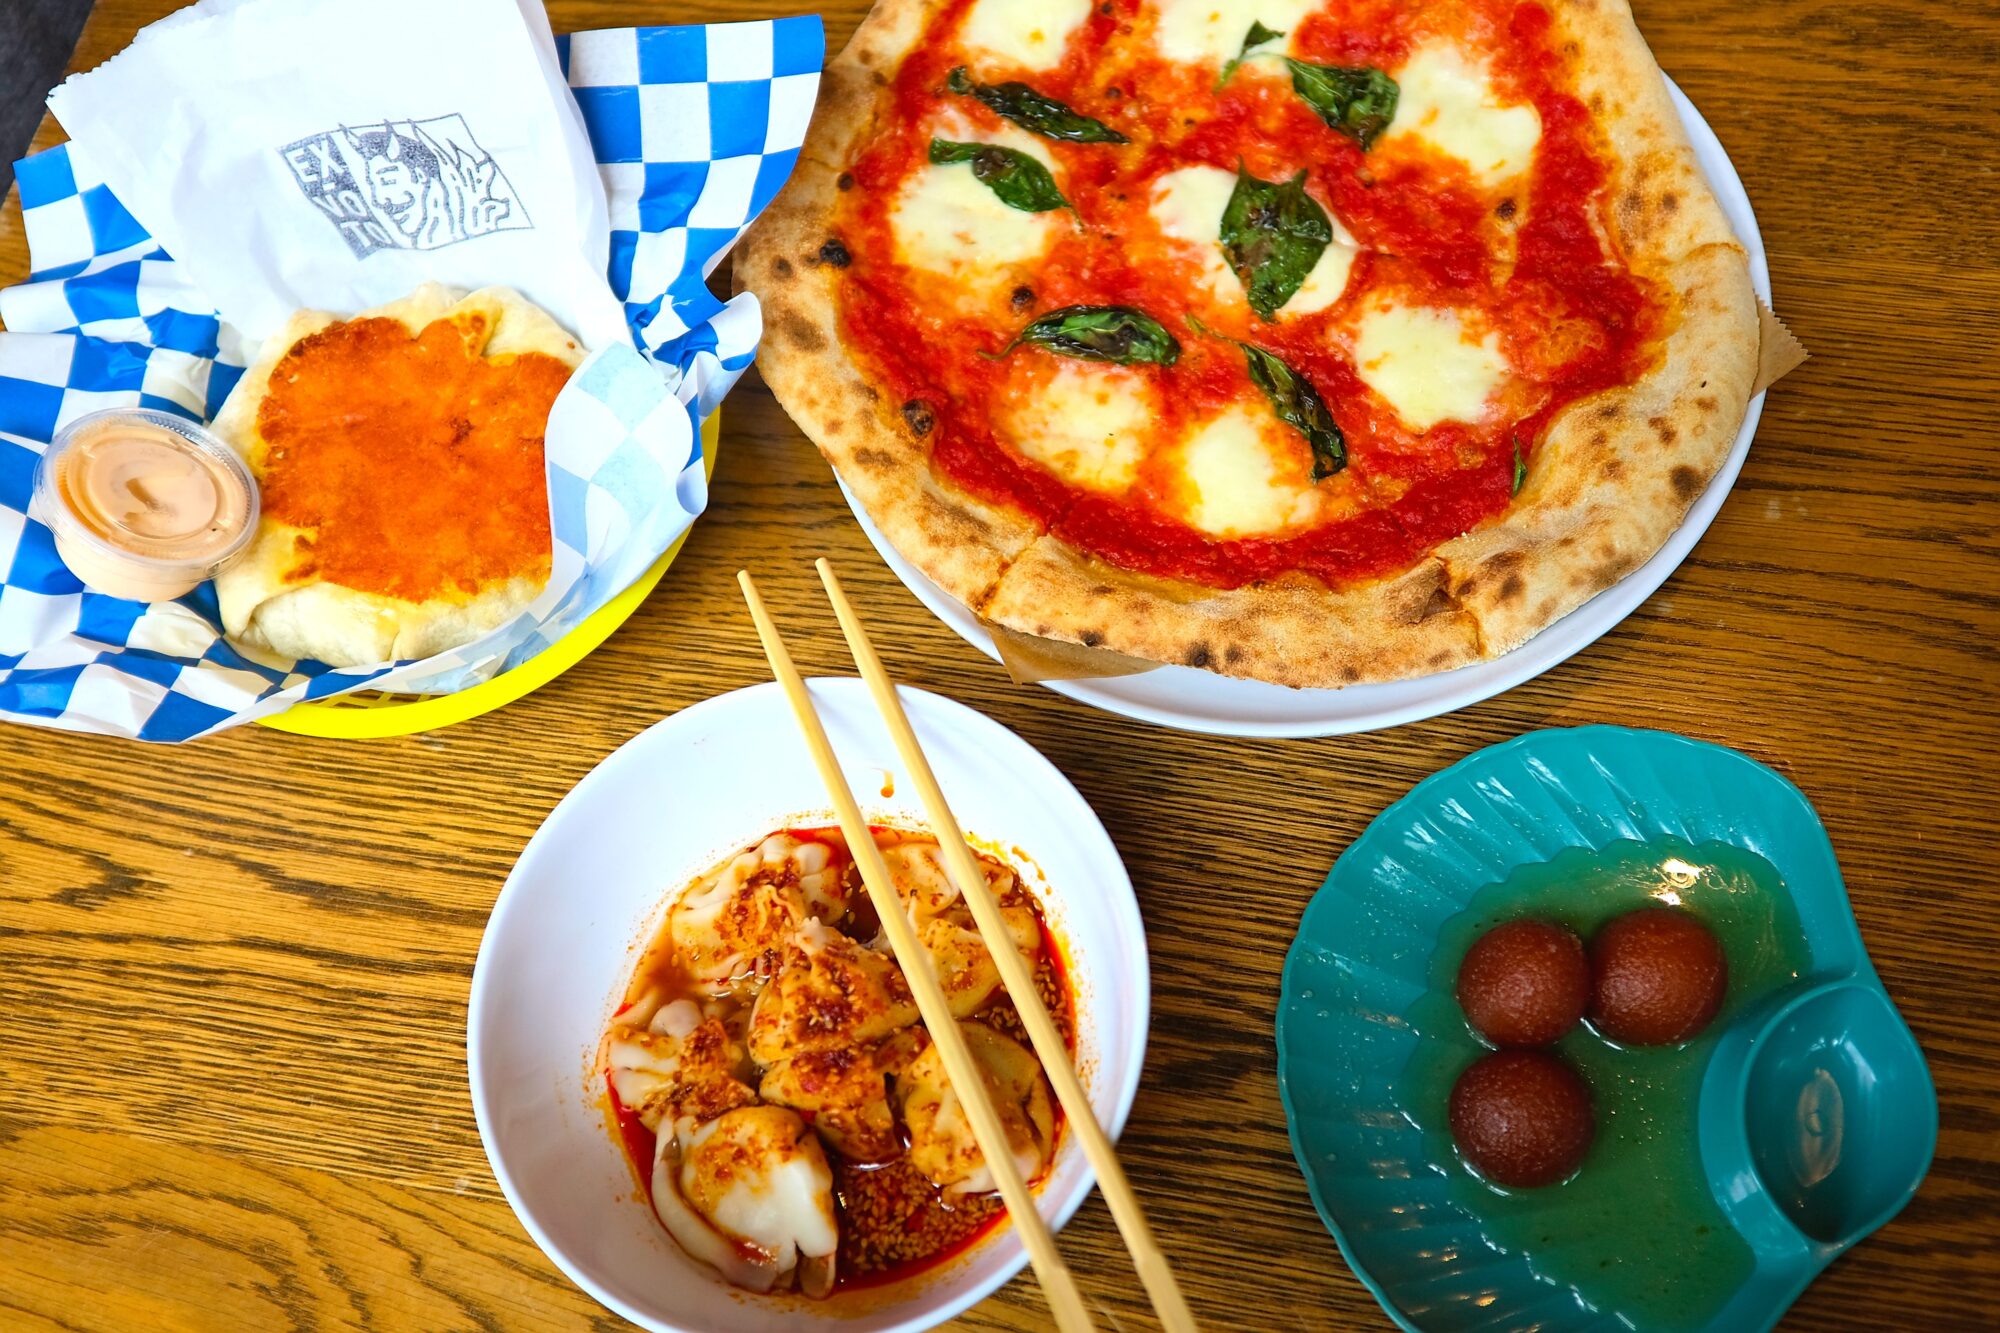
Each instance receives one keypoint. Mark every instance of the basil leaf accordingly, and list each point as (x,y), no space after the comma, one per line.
(1019,180)
(1272,234)
(1257,36)
(1299,405)
(1520,467)
(1358,101)
(1033,111)
(1115,333)
(1295,400)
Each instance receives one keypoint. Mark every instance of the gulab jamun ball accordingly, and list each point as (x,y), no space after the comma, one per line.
(1522,1119)
(1524,983)
(1658,977)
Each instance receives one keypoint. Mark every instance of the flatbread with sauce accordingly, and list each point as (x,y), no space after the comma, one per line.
(1312,341)
(405,501)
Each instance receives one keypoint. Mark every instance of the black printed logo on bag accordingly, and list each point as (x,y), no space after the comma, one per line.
(405,184)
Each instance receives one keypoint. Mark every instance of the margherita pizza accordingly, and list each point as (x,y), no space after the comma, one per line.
(1314,341)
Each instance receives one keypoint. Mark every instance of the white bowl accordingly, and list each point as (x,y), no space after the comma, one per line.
(593,884)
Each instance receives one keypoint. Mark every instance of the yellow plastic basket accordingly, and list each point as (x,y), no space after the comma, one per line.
(368,714)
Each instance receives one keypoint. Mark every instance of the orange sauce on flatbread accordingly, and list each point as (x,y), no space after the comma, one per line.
(412,464)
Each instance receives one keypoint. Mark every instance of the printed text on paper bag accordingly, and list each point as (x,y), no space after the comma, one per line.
(405,184)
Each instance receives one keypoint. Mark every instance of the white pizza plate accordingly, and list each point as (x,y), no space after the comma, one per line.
(1194,700)
(592,886)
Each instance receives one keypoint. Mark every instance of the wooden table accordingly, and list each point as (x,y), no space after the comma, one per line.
(233,975)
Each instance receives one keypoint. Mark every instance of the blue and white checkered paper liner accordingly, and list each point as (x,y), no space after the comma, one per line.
(695,129)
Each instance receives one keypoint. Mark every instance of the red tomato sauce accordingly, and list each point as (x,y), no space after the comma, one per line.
(1572,317)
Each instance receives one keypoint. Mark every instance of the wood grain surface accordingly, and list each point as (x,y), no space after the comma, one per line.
(233,975)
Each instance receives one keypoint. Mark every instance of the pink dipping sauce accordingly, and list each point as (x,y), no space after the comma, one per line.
(142,504)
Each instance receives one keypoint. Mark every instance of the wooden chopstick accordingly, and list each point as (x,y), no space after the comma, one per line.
(966,1080)
(1147,1259)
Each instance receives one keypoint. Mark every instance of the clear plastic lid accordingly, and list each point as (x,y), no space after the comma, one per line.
(141,500)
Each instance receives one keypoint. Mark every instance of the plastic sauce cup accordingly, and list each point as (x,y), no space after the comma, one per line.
(144,505)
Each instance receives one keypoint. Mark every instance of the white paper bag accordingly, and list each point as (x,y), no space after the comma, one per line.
(437,142)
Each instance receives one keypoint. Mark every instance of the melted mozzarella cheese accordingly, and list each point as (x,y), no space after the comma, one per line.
(1213,30)
(1087,425)
(946,221)
(1188,205)
(1243,477)
(1030,33)
(1447,101)
(1423,363)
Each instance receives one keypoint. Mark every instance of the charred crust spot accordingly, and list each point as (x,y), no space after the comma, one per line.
(1706,403)
(1664,429)
(801,333)
(1686,482)
(1233,653)
(873,458)
(1101,590)
(917,415)
(1023,297)
(1105,9)
(1511,589)
(1612,570)
(1113,93)
(1505,211)
(1091,638)
(1597,102)
(1598,439)
(1439,602)
(1612,470)
(874,394)
(1608,412)
(834,253)
(1199,655)
(1669,202)
(782,267)
(845,182)
(1350,673)
(836,425)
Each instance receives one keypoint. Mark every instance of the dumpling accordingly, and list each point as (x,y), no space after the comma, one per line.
(830,993)
(946,928)
(751,1194)
(729,930)
(844,1094)
(680,1065)
(942,1145)
(964,965)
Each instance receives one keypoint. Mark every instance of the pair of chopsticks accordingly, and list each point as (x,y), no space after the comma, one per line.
(1064,1298)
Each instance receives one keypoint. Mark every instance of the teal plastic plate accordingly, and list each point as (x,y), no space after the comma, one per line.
(1816,1114)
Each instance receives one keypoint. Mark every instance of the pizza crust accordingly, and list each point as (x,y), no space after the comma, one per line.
(1613,478)
(1288,630)
(1616,473)
(262,601)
